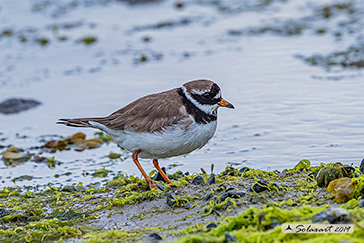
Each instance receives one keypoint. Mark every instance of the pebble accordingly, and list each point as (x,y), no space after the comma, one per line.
(155,236)
(207,197)
(15,105)
(188,206)
(244,169)
(169,200)
(229,171)
(211,180)
(259,186)
(2,212)
(161,187)
(361,203)
(232,194)
(210,226)
(229,238)
(333,216)
(198,180)
(236,194)
(158,176)
(312,175)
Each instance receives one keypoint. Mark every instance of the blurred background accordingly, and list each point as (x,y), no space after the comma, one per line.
(292,69)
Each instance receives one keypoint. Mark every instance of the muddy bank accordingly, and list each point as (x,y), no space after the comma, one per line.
(238,204)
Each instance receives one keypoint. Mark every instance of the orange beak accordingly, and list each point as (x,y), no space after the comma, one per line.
(226,104)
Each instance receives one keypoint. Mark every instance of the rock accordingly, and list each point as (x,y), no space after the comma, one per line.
(361,203)
(222,197)
(15,105)
(187,173)
(259,186)
(236,194)
(312,175)
(211,180)
(333,216)
(188,206)
(211,226)
(155,236)
(70,188)
(222,187)
(207,197)
(361,167)
(198,180)
(229,171)
(229,238)
(330,173)
(169,200)
(161,187)
(244,169)
(3,212)
(232,194)
(158,176)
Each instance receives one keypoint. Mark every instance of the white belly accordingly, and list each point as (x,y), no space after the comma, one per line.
(171,142)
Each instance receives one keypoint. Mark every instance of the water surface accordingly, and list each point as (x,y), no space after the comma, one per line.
(285,109)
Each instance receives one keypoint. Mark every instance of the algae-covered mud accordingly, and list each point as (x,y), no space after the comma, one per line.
(236,205)
(293,70)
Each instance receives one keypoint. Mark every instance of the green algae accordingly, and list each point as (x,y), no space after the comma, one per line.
(101,173)
(50,213)
(252,225)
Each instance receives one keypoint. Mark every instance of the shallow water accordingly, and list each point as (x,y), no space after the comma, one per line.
(286,110)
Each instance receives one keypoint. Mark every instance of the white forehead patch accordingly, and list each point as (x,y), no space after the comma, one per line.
(199,92)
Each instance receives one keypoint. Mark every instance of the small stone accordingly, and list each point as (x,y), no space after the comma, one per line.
(361,167)
(259,186)
(361,203)
(198,180)
(207,197)
(155,236)
(158,176)
(2,212)
(169,200)
(187,173)
(333,216)
(210,226)
(236,194)
(211,180)
(222,197)
(188,206)
(312,175)
(161,187)
(244,169)
(222,187)
(179,5)
(229,238)
(229,171)
(15,105)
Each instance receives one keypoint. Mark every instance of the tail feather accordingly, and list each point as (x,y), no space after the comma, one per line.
(78,122)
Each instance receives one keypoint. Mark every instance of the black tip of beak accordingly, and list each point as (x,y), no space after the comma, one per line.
(230,106)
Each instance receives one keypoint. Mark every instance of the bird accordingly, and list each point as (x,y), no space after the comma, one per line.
(162,125)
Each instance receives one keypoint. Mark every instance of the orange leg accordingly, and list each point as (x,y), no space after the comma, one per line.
(156,165)
(135,159)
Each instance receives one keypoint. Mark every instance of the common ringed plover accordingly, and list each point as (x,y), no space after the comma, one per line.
(162,125)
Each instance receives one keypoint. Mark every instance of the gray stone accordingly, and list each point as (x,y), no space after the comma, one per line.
(15,105)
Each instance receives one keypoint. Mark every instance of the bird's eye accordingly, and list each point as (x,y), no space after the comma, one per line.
(206,95)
